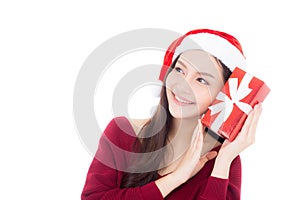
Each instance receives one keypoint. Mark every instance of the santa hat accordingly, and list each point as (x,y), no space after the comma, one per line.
(222,45)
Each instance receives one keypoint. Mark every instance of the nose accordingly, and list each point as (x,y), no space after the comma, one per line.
(184,87)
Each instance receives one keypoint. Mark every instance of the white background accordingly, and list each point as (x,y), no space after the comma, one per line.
(44,44)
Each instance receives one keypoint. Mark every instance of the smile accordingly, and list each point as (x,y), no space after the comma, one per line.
(182,101)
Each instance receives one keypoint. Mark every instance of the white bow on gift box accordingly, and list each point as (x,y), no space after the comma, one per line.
(226,106)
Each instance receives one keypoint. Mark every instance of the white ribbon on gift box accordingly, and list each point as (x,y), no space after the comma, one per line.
(226,106)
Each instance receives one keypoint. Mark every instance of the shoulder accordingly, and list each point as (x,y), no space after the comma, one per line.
(137,124)
(118,125)
(128,125)
(122,131)
(118,134)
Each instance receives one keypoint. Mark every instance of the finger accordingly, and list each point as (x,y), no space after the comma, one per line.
(249,129)
(247,123)
(257,113)
(195,134)
(199,143)
(194,140)
(200,125)
(258,110)
(208,156)
(211,155)
(197,129)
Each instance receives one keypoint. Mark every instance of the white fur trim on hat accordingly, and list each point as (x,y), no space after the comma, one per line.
(216,46)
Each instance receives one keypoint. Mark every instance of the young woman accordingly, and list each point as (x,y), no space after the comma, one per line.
(172,156)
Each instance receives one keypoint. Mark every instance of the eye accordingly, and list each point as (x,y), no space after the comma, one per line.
(203,81)
(178,69)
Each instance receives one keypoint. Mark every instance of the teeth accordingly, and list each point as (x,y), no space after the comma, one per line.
(182,101)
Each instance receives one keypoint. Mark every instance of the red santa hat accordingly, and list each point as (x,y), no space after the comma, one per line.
(222,45)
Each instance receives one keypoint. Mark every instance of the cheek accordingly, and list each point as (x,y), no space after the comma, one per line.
(168,94)
(215,90)
(172,79)
(204,99)
(206,95)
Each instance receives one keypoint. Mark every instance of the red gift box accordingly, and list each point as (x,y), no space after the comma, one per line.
(229,110)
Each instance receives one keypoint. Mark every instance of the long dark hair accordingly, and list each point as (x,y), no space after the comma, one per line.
(147,142)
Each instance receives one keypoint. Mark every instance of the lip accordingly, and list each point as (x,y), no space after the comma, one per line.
(182,103)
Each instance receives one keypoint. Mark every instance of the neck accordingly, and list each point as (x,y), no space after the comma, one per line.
(183,128)
(180,136)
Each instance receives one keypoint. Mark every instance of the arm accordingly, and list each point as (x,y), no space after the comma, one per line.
(225,179)
(230,150)
(101,184)
(190,164)
(225,188)
(103,177)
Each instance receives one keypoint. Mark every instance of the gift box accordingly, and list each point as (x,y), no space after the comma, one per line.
(228,112)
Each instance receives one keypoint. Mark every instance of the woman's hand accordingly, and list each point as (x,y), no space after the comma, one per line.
(192,162)
(245,138)
(229,150)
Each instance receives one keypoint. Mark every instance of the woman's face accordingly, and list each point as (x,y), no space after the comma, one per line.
(193,84)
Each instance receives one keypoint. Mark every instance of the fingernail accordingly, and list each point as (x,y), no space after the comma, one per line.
(257,106)
(260,105)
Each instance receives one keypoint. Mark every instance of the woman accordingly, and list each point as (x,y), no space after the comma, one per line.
(176,158)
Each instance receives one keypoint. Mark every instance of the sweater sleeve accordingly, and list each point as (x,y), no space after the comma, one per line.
(104,174)
(221,189)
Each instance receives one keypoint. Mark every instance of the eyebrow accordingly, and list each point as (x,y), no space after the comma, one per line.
(201,73)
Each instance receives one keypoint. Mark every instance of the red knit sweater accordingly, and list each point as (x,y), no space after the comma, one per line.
(103,180)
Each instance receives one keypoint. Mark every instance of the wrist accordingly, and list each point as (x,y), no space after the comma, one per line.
(178,177)
(221,168)
(224,157)
(168,183)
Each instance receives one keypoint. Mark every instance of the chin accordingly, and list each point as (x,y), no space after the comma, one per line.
(182,115)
